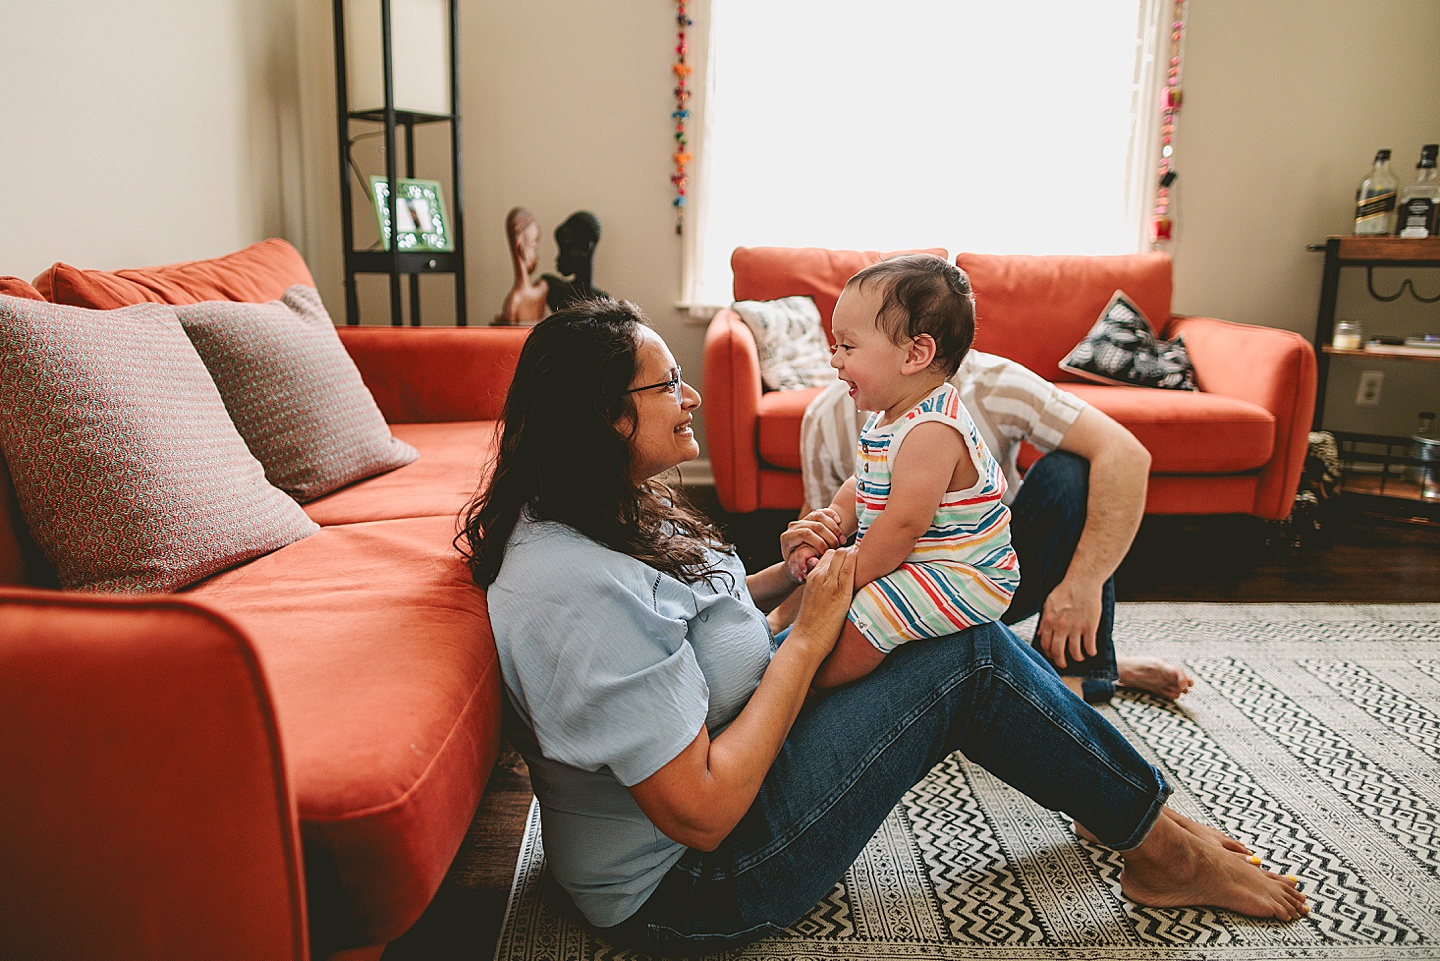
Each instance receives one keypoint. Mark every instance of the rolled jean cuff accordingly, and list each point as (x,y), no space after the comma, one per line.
(1137,837)
(1096,690)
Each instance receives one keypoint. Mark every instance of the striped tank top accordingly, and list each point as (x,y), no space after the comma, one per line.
(962,570)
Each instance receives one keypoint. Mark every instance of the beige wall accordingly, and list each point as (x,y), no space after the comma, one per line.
(565,107)
(147,132)
(142,133)
(1286,102)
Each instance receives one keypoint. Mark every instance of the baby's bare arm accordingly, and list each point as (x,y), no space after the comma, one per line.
(932,459)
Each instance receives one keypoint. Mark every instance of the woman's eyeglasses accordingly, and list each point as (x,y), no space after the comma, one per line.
(674,382)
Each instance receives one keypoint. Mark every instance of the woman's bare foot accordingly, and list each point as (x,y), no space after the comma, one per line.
(1206,833)
(1203,831)
(1153,675)
(1174,866)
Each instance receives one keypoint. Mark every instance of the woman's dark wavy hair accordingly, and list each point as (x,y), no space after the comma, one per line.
(564,451)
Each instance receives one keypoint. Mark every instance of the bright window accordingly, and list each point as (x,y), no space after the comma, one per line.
(1025,126)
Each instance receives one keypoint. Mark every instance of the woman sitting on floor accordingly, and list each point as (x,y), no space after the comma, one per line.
(691,800)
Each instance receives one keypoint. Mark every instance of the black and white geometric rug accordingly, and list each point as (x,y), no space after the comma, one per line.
(1312,733)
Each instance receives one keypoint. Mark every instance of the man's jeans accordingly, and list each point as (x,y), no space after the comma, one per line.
(1045,524)
(853,754)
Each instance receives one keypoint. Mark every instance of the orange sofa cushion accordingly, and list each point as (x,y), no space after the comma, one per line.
(1034,310)
(384,683)
(15,287)
(454,459)
(1188,432)
(258,273)
(769,273)
(779,428)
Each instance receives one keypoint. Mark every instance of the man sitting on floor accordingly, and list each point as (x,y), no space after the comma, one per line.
(1072,519)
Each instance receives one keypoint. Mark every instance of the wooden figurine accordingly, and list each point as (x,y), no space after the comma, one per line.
(526,301)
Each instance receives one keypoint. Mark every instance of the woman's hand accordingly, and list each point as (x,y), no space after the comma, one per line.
(805,540)
(828,592)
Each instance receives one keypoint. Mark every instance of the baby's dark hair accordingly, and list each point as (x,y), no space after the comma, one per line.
(924,294)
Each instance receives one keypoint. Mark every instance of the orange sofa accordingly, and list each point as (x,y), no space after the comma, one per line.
(1235,446)
(282,760)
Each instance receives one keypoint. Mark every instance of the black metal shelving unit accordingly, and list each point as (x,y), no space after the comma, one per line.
(397,263)
(1378,477)
(1377,469)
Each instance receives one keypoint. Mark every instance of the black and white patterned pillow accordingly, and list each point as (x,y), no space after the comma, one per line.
(1122,349)
(790,340)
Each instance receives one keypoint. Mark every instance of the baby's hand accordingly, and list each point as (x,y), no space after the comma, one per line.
(806,540)
(802,561)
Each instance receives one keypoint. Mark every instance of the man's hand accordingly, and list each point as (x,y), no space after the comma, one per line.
(805,541)
(1068,623)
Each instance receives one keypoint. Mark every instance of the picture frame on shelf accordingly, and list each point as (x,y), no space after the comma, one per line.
(424,223)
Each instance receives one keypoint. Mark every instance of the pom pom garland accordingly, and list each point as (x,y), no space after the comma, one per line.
(680,114)
(1163,223)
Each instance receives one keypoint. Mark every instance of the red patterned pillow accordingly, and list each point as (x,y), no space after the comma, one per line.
(293,392)
(125,463)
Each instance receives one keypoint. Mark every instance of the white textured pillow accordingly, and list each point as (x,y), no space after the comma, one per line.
(793,352)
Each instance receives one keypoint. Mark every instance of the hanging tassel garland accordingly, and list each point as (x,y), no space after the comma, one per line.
(1164,223)
(680,114)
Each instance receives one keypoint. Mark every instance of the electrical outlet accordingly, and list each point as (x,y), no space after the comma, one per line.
(1368,395)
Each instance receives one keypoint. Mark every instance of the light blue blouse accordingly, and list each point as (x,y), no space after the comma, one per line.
(612,667)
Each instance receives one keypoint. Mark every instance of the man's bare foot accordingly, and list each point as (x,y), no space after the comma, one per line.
(1174,866)
(1153,675)
(1203,831)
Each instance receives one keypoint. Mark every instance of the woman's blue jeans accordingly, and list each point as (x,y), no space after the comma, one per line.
(1046,519)
(851,756)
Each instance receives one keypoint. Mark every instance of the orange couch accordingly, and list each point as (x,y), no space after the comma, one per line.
(1235,446)
(284,758)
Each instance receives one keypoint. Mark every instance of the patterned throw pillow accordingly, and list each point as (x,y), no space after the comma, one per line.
(125,463)
(293,392)
(791,341)
(1122,349)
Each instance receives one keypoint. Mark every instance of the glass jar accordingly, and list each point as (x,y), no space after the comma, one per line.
(1347,335)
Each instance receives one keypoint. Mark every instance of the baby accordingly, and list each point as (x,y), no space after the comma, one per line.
(933,536)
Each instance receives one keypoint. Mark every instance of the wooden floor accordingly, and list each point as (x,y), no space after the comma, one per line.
(1353,557)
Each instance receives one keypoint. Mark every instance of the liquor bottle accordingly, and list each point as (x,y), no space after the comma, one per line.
(1375,199)
(1419,205)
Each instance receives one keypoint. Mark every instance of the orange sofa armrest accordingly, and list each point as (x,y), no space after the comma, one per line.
(1272,368)
(146,800)
(731,410)
(423,375)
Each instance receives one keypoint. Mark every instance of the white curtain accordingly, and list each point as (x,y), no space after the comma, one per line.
(1029,126)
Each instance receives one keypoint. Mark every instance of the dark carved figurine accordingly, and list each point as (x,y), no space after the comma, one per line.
(576,238)
(526,301)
